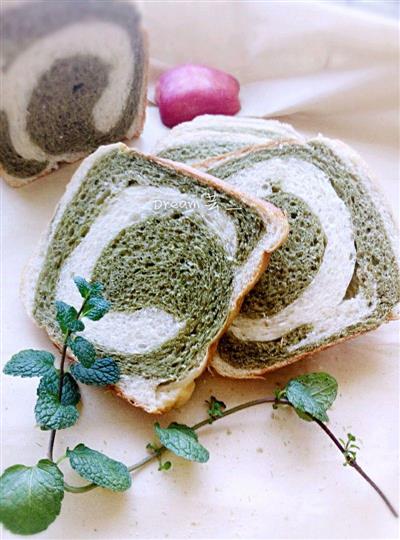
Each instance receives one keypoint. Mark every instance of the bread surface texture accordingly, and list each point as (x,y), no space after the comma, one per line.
(74,76)
(176,251)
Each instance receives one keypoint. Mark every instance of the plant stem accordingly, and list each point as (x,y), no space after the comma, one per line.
(233,410)
(353,463)
(60,388)
(60,383)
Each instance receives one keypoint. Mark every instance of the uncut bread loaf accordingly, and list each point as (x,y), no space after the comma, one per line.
(338,273)
(74,76)
(214,135)
(176,251)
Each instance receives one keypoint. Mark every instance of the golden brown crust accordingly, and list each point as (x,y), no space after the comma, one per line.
(206,163)
(260,374)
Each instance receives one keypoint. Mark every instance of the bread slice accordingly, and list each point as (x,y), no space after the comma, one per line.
(338,273)
(74,76)
(214,135)
(176,250)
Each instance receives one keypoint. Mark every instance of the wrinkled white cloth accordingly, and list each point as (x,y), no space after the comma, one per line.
(295,60)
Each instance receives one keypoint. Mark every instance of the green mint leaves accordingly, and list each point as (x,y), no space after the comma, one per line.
(30,497)
(67,318)
(30,363)
(87,289)
(350,449)
(102,372)
(83,350)
(50,413)
(215,408)
(312,394)
(88,370)
(182,441)
(95,308)
(70,390)
(99,468)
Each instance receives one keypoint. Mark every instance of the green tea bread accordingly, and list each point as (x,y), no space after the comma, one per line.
(176,251)
(74,76)
(338,273)
(214,135)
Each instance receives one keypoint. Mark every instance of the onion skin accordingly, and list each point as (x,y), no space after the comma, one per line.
(189,90)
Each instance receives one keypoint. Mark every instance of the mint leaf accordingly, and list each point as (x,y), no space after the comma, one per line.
(83,350)
(164,466)
(312,393)
(83,286)
(70,390)
(215,408)
(87,289)
(95,308)
(182,441)
(67,318)
(51,414)
(99,468)
(104,371)
(30,363)
(30,497)
(96,288)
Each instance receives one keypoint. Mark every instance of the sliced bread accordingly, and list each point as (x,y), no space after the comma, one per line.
(214,135)
(176,250)
(74,76)
(338,273)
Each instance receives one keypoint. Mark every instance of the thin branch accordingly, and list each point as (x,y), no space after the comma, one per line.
(353,463)
(241,407)
(61,382)
(60,389)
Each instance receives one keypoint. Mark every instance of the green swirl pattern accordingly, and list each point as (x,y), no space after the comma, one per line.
(171,259)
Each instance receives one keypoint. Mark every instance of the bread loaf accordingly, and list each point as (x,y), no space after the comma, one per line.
(74,76)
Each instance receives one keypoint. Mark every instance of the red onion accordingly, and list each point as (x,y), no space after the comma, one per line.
(186,91)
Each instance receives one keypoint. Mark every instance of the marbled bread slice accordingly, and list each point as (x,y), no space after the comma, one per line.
(176,250)
(338,273)
(214,135)
(74,76)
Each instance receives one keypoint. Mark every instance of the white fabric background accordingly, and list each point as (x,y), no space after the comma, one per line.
(270,475)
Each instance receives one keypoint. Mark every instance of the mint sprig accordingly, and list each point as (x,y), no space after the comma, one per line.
(215,408)
(30,497)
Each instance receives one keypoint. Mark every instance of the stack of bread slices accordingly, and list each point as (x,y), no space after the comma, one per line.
(183,253)
(240,244)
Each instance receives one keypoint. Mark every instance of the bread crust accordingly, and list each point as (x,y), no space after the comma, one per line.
(268,212)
